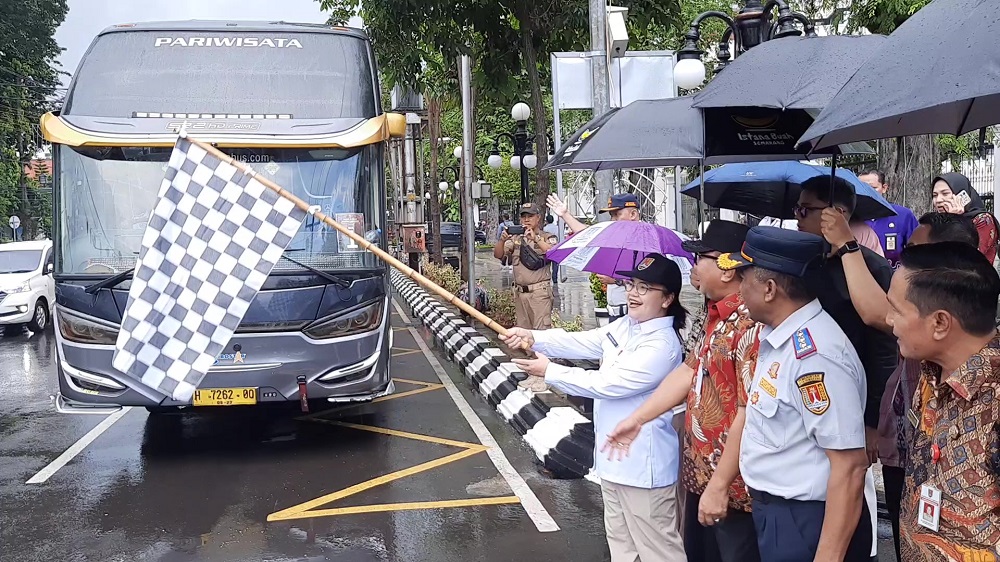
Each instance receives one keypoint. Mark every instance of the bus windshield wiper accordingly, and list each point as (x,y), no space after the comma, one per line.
(109,282)
(117,279)
(339,281)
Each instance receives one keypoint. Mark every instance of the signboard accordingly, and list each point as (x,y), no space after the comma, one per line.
(638,75)
(14,221)
(414,239)
(352,221)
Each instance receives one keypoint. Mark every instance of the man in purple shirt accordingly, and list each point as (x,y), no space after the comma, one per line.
(894,231)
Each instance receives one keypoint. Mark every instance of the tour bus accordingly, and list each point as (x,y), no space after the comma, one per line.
(301,104)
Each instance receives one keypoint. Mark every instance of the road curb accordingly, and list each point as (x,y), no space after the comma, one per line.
(561,437)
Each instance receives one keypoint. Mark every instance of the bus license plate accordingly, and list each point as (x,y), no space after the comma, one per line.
(225,396)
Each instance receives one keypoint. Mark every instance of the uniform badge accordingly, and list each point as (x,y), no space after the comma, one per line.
(769,388)
(773,371)
(644,264)
(754,397)
(890,242)
(804,345)
(814,395)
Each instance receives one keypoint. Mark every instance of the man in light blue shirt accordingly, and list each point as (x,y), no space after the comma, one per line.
(802,455)
(637,352)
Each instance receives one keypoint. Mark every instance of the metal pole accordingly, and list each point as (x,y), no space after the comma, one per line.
(602,96)
(468,225)
(520,142)
(557,141)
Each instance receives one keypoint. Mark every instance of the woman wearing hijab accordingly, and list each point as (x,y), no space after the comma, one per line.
(952,193)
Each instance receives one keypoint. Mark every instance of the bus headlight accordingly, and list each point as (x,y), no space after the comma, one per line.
(359,320)
(82,330)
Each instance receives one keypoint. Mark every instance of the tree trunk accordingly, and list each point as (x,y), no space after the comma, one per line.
(492,219)
(909,164)
(538,112)
(434,130)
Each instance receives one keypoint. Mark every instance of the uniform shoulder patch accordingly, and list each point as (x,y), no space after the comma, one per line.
(814,395)
(804,344)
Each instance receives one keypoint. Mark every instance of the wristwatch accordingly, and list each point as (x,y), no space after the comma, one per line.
(849,247)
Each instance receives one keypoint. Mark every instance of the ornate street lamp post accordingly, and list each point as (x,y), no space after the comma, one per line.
(752,26)
(524,157)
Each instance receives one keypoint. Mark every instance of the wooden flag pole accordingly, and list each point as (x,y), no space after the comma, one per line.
(385,256)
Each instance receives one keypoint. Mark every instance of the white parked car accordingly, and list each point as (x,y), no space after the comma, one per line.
(27,291)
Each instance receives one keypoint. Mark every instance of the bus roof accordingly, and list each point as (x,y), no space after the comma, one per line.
(235,25)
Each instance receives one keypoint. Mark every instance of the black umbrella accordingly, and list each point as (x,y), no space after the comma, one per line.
(939,73)
(643,134)
(789,73)
(670,132)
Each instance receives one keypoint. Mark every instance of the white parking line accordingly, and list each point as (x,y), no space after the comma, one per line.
(536,511)
(77,448)
(399,312)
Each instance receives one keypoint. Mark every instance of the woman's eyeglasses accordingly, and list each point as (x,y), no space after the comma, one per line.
(640,288)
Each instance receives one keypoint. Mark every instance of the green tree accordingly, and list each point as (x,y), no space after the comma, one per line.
(909,163)
(29,82)
(510,40)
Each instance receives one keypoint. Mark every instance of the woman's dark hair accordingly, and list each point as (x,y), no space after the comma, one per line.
(680,314)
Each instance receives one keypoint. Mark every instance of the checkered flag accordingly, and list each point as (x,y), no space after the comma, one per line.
(213,238)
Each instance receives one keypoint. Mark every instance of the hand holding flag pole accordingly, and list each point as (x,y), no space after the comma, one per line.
(360,240)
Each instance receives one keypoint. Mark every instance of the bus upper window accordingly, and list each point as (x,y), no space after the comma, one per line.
(307,75)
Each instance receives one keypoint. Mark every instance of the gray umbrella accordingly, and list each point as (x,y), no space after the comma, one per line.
(669,132)
(789,73)
(939,72)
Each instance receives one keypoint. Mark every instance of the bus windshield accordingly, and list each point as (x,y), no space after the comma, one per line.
(301,75)
(106,195)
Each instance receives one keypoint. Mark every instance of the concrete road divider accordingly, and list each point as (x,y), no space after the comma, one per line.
(561,437)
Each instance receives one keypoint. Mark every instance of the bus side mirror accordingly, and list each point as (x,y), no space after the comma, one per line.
(49,268)
(397,125)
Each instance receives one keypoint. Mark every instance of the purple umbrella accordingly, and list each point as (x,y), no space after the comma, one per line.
(607,247)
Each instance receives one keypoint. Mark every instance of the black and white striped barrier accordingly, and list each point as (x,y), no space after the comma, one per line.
(561,437)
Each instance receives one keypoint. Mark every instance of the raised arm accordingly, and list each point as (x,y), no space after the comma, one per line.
(867,296)
(561,211)
(500,248)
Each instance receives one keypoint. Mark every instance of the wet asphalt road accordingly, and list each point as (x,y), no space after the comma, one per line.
(202,486)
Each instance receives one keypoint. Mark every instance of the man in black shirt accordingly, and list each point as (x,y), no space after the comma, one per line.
(878,350)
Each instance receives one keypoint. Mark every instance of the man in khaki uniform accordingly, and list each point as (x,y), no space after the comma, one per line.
(532,287)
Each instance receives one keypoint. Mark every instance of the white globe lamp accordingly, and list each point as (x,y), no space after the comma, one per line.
(495,161)
(457,152)
(530,161)
(515,162)
(442,186)
(689,73)
(456,184)
(520,112)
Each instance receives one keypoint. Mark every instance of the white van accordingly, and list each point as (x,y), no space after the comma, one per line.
(27,290)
